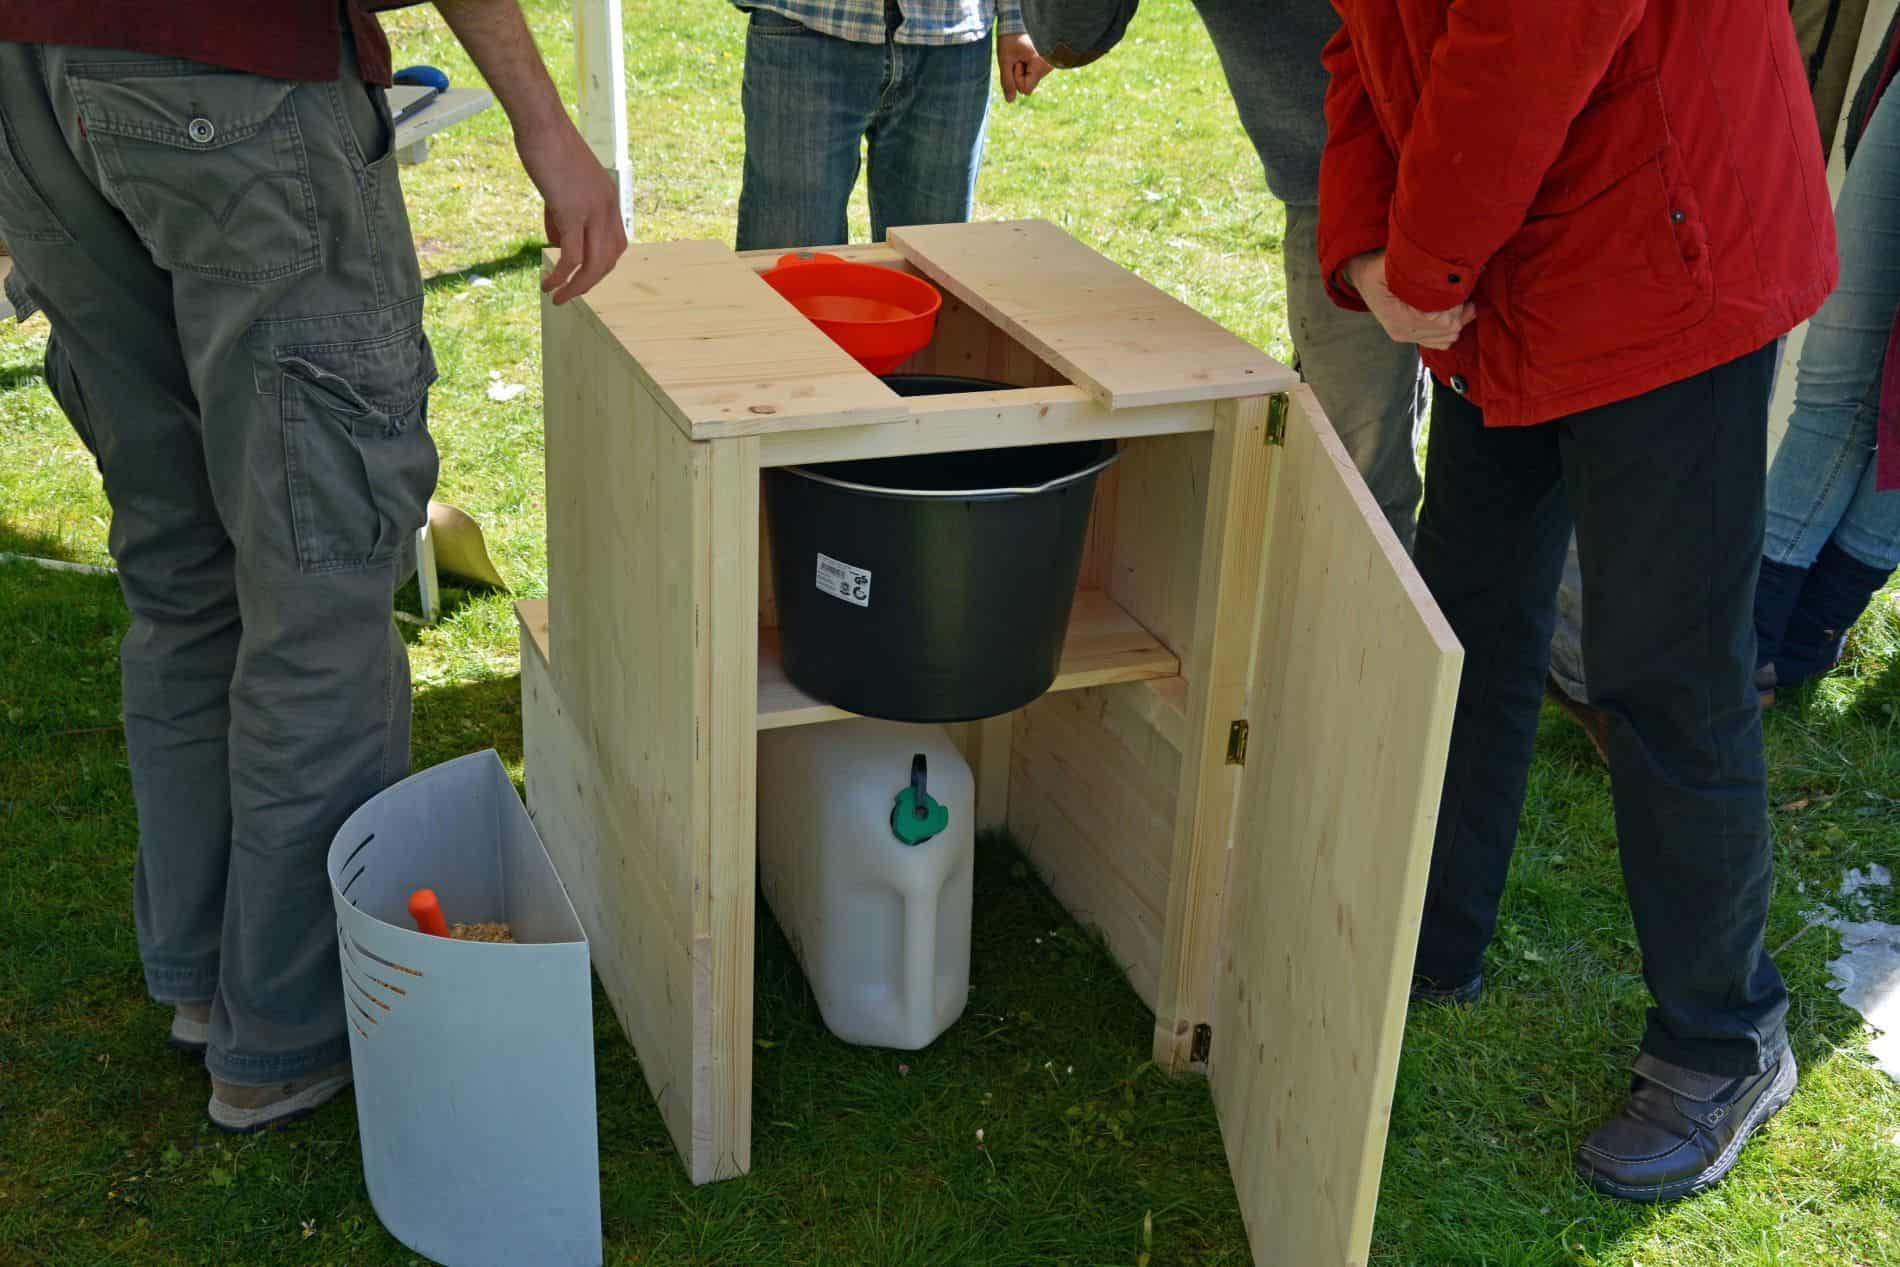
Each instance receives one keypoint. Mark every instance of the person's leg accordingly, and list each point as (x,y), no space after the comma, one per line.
(115,366)
(1670,651)
(275,211)
(1670,654)
(1818,470)
(1371,389)
(1490,546)
(926,142)
(808,99)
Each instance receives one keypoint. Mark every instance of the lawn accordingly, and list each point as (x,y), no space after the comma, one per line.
(1088,1156)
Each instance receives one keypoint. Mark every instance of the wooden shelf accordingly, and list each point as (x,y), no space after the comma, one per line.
(1105,646)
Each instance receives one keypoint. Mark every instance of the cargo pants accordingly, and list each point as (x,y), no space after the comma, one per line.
(237,337)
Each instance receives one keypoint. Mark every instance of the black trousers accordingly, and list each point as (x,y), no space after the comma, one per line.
(1666,491)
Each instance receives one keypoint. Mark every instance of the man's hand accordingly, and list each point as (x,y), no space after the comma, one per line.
(582,210)
(1018,64)
(1404,323)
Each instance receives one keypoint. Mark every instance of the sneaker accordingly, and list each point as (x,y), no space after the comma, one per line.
(1681,1131)
(241,1110)
(191,1028)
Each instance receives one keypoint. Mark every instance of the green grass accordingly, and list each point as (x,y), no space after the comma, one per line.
(105,1157)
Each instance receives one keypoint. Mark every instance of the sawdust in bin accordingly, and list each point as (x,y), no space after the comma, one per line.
(490,931)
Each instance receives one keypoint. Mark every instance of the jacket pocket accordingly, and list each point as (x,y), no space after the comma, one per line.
(1614,255)
(358,457)
(25,215)
(209,167)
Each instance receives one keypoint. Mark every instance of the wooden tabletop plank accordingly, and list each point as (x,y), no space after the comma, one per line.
(724,352)
(1107,330)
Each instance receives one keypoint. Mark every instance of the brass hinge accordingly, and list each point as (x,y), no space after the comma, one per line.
(1277,406)
(1237,743)
(1203,1043)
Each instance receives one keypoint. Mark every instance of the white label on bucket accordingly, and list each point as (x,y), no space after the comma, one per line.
(841,580)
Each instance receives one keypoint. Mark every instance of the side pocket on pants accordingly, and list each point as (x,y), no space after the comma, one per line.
(357,452)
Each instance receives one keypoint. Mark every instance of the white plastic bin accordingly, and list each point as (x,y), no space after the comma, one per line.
(474,1061)
(881,926)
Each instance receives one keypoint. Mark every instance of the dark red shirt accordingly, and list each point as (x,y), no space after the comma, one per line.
(281,39)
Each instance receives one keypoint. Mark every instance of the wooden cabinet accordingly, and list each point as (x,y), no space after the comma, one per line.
(1235,777)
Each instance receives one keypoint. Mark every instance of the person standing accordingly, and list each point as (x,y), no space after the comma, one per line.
(204,201)
(1597,219)
(1371,389)
(1833,529)
(825,77)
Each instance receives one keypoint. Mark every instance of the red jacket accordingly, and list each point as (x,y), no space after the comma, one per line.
(1630,191)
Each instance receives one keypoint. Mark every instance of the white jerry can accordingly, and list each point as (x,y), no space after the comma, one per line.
(867,847)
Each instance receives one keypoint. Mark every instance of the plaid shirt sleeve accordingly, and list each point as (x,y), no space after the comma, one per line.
(1009,17)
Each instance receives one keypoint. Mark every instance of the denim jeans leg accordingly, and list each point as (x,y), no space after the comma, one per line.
(1490,547)
(926,140)
(808,99)
(1670,653)
(1815,485)
(1371,389)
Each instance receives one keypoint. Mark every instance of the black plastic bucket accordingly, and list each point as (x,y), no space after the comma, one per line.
(933,588)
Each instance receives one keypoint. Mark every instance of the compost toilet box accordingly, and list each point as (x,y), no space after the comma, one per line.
(1234,777)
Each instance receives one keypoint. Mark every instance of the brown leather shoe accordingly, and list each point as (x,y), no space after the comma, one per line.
(1681,1131)
(1595,725)
(191,1028)
(241,1110)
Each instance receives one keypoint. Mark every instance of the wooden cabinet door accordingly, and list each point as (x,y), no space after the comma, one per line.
(1350,704)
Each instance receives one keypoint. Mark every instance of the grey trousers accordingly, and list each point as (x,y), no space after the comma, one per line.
(237,338)
(1372,389)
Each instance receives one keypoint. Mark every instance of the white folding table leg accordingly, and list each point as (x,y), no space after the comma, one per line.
(425,575)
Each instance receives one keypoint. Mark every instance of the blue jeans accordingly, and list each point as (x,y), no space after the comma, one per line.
(1821,486)
(812,101)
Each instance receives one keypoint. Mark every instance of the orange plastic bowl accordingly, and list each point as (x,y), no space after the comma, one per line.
(879,315)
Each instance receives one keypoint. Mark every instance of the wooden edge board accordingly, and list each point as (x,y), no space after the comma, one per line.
(987,420)
(1105,646)
(1098,324)
(723,352)
(532,613)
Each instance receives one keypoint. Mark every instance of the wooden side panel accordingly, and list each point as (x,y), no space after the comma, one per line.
(641,550)
(722,351)
(1156,522)
(1354,682)
(1226,582)
(725,871)
(1092,802)
(1101,326)
(646,968)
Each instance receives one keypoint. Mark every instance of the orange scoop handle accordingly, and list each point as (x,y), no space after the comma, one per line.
(427,912)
